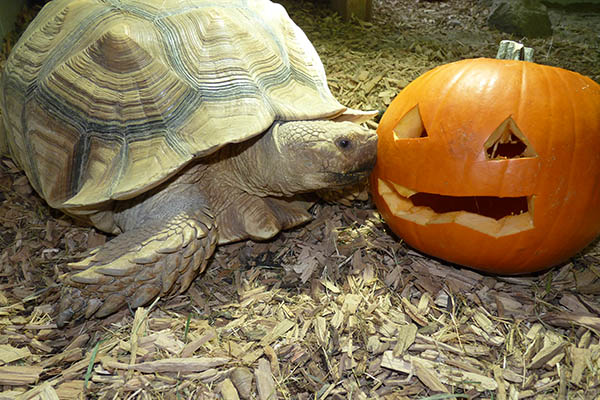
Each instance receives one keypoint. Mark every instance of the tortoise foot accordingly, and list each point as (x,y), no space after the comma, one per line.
(136,267)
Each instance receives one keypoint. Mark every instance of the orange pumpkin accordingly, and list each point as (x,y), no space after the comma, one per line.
(493,164)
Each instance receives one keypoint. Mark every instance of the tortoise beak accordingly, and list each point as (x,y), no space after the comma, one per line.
(364,158)
(366,155)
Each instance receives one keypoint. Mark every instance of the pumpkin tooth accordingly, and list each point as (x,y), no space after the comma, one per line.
(515,224)
(402,190)
(398,204)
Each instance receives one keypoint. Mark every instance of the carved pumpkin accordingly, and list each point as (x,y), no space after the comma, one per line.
(493,164)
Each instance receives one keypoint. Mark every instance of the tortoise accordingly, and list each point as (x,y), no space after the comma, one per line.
(176,125)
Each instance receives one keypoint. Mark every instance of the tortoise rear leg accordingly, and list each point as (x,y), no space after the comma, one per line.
(170,243)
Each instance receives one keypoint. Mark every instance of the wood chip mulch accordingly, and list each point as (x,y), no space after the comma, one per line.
(337,309)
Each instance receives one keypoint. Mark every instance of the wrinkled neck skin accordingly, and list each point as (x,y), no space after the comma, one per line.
(256,167)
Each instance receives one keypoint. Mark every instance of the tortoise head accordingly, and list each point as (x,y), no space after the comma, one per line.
(312,155)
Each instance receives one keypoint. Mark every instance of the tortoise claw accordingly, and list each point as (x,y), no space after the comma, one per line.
(92,306)
(144,295)
(75,305)
(64,317)
(70,306)
(111,304)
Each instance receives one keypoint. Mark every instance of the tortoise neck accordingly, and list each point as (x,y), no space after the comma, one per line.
(257,167)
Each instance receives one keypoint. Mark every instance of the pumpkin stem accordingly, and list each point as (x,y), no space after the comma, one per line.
(510,50)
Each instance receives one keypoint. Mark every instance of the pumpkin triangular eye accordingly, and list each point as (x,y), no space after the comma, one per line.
(507,141)
(410,126)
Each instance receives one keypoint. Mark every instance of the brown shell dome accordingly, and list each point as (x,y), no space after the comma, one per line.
(104,99)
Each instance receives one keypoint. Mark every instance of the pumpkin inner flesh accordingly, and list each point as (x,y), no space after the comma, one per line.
(493,216)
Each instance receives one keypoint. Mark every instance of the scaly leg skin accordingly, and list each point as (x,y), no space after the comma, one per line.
(158,258)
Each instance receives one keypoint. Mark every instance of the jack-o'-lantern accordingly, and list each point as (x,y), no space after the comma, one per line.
(493,164)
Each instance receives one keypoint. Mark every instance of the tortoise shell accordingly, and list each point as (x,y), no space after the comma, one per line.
(105,99)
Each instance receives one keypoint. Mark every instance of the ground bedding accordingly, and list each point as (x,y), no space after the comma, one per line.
(336,309)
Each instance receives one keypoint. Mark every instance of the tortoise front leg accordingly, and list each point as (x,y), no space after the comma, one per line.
(158,258)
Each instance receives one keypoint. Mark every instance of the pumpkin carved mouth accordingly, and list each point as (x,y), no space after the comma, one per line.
(493,216)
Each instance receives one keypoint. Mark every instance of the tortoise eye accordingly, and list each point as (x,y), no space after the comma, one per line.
(344,143)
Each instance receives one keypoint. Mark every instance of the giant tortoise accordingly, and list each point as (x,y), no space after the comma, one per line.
(176,125)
